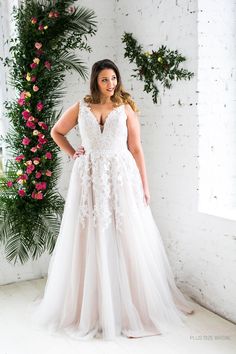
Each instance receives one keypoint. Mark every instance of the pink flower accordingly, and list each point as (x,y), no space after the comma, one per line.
(30,169)
(33,20)
(41,186)
(30,124)
(33,78)
(29,162)
(21,192)
(9,184)
(36,160)
(26,114)
(23,94)
(48,155)
(39,146)
(22,178)
(38,45)
(48,173)
(33,149)
(21,101)
(51,14)
(39,106)
(47,65)
(42,139)
(38,195)
(35,88)
(19,158)
(38,174)
(56,14)
(33,65)
(43,125)
(40,27)
(25,141)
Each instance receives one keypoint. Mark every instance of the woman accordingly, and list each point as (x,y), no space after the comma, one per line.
(109,273)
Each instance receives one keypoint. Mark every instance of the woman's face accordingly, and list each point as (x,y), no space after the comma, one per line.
(107,82)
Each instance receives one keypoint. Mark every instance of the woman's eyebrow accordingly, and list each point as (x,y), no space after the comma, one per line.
(106,77)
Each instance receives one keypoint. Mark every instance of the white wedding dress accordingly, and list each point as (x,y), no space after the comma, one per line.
(109,274)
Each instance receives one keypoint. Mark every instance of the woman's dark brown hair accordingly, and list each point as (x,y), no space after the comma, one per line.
(119,97)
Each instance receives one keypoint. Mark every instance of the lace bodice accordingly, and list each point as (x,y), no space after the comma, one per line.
(113,136)
(106,169)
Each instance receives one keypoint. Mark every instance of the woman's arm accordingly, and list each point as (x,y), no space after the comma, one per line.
(135,147)
(66,122)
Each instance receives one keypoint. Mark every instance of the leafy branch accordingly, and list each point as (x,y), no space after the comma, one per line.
(159,67)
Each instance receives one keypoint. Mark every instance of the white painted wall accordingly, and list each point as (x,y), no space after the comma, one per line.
(201,248)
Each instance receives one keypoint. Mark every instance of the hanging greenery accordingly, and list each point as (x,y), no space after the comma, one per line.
(30,205)
(155,67)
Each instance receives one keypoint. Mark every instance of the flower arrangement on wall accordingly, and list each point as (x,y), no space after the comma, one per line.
(158,67)
(40,54)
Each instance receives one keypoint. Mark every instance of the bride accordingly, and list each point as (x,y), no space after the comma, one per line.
(109,274)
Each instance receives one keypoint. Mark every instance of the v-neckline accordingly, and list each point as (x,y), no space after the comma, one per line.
(107,117)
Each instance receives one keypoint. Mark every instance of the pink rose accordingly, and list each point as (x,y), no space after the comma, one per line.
(21,101)
(25,141)
(43,125)
(33,20)
(19,158)
(36,160)
(38,195)
(33,65)
(33,78)
(30,124)
(26,114)
(38,45)
(22,177)
(9,184)
(21,192)
(48,173)
(48,155)
(41,186)
(35,88)
(30,169)
(47,65)
(39,146)
(38,174)
(42,139)
(40,106)
(40,28)
(33,149)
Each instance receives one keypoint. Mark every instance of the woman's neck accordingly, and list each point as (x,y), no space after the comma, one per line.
(105,100)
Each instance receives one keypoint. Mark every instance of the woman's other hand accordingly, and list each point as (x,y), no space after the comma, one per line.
(78,152)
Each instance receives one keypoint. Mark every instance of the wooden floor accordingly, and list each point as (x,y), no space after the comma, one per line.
(206,332)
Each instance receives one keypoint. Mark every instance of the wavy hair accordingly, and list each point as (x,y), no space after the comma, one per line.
(119,97)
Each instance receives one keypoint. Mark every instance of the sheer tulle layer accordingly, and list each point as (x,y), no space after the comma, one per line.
(109,281)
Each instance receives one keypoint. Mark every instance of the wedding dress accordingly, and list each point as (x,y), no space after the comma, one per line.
(109,274)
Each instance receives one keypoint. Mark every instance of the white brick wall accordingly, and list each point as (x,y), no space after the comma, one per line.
(201,248)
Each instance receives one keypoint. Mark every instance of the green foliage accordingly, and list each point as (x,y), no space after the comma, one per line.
(31,208)
(161,66)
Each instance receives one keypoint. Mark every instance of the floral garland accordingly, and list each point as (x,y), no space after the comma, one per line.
(160,65)
(47,30)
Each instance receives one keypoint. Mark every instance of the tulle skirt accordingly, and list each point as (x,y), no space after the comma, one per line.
(109,274)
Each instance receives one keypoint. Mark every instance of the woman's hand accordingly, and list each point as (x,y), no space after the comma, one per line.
(78,152)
